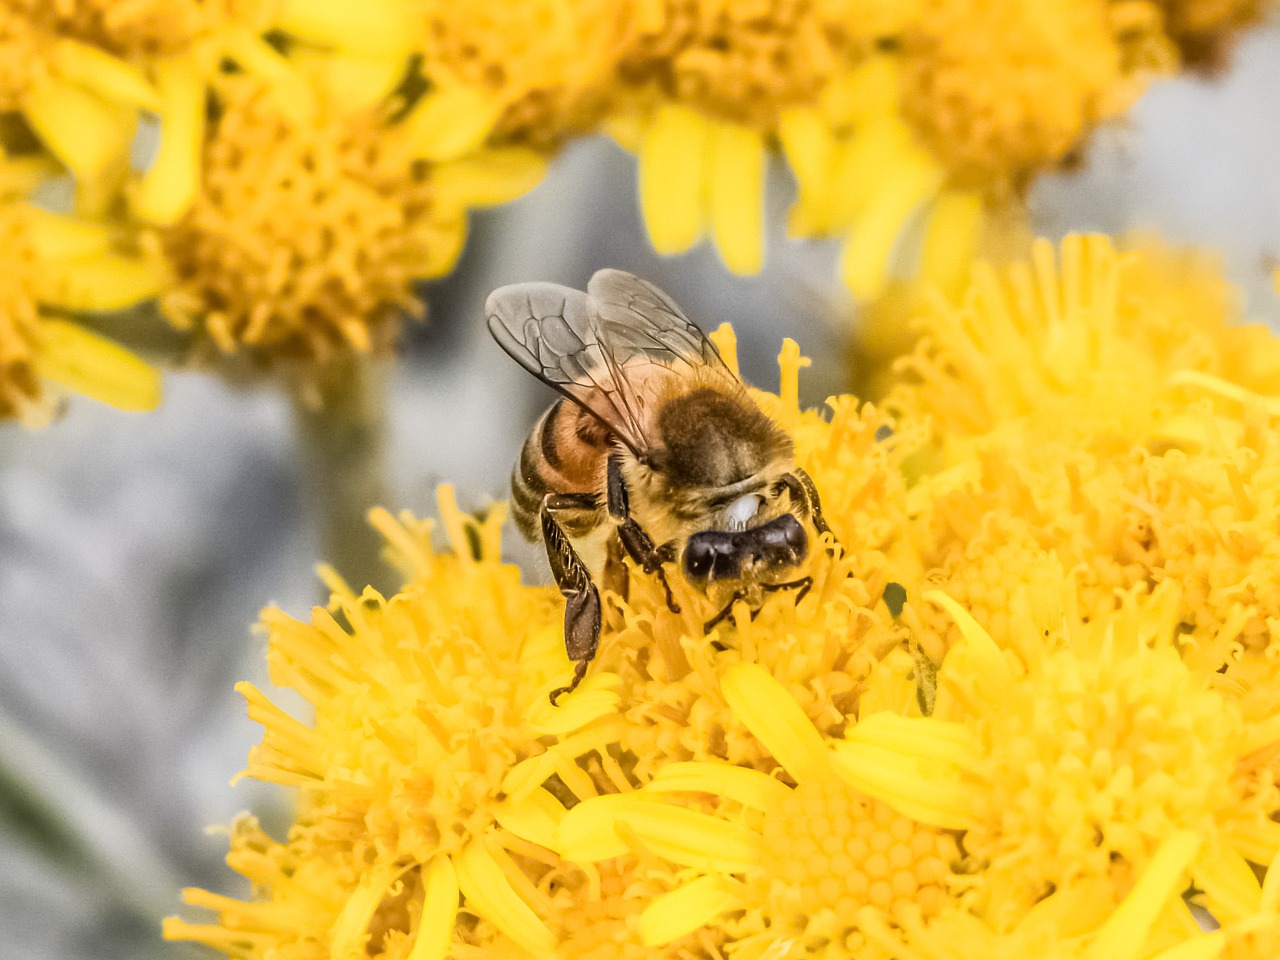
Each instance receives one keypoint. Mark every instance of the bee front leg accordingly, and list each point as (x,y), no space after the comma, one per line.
(582,599)
(638,544)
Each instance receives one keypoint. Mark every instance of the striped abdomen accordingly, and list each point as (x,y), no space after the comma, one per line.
(564,453)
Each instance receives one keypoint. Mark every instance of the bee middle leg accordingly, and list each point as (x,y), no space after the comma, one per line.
(582,599)
(637,543)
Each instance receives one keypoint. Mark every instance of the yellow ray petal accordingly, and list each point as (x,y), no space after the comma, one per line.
(289,89)
(351,929)
(951,239)
(909,786)
(101,281)
(55,236)
(86,133)
(488,177)
(809,147)
(674,159)
(685,909)
(866,258)
(451,122)
(597,697)
(1206,947)
(746,786)
(736,202)
(924,738)
(1271,886)
(376,27)
(490,894)
(997,674)
(357,81)
(96,367)
(777,721)
(168,188)
(726,342)
(107,76)
(1122,934)
(1228,881)
(589,833)
(535,818)
(439,911)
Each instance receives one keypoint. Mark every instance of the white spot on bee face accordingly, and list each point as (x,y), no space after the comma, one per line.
(739,513)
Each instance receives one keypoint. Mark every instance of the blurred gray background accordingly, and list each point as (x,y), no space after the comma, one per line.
(136,551)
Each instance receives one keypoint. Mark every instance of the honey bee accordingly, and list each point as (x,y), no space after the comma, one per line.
(655,451)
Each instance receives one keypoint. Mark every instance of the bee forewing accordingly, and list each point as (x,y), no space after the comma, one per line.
(603,349)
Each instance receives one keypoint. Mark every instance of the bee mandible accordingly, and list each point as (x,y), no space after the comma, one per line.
(655,451)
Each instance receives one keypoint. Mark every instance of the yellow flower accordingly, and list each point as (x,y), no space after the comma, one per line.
(516,72)
(308,231)
(1094,742)
(820,864)
(58,264)
(422,771)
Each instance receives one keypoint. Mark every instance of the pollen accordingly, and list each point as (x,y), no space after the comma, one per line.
(305,236)
(832,850)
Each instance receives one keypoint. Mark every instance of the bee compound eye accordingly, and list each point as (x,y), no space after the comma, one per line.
(699,557)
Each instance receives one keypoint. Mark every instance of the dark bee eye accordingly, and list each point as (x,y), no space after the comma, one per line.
(699,555)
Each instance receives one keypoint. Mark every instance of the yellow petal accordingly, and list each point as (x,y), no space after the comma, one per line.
(20,175)
(737,167)
(107,76)
(55,236)
(911,787)
(1121,936)
(535,818)
(749,787)
(726,342)
(490,894)
(377,27)
(777,721)
(451,122)
(997,674)
(1206,947)
(86,133)
(437,246)
(289,89)
(923,738)
(439,911)
(685,909)
(597,697)
(951,239)
(590,833)
(674,159)
(351,929)
(357,81)
(1231,888)
(869,90)
(810,149)
(865,260)
(94,366)
(487,178)
(168,188)
(101,281)
(1271,886)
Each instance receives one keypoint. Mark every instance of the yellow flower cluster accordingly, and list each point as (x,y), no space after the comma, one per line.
(1028,707)
(313,159)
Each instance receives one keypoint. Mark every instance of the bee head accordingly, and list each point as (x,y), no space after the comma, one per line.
(730,554)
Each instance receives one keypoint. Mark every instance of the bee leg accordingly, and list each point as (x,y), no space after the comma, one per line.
(638,544)
(801,587)
(802,489)
(582,599)
(728,608)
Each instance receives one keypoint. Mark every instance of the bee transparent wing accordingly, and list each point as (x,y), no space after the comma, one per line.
(602,349)
(639,320)
(552,332)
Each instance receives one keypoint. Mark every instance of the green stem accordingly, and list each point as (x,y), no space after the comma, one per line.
(340,411)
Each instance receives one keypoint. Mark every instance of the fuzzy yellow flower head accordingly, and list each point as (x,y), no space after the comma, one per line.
(424,763)
(865,770)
